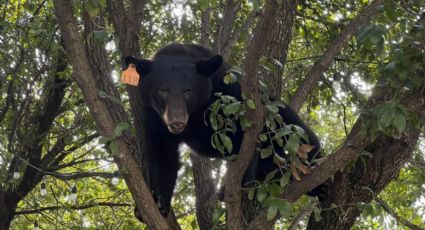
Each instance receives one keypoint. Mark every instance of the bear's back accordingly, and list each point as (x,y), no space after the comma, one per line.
(185,50)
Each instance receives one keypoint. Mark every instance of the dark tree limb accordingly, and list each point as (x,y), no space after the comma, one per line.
(107,115)
(127,25)
(250,85)
(80,175)
(366,179)
(205,190)
(205,186)
(313,76)
(227,50)
(79,207)
(226,24)
(278,47)
(205,27)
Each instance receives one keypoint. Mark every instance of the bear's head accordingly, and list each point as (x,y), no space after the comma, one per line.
(176,86)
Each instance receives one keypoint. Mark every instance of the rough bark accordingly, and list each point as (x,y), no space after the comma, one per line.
(255,49)
(313,76)
(127,26)
(107,115)
(205,191)
(362,182)
(278,47)
(366,179)
(224,32)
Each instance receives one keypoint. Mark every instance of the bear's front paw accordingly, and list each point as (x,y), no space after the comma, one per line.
(160,203)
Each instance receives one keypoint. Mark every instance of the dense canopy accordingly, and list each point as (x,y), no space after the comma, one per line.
(70,131)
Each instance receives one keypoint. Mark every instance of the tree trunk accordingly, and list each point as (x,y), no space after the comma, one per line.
(363,181)
(6,216)
(205,191)
(107,115)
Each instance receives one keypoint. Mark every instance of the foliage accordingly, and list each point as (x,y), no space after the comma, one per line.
(384,53)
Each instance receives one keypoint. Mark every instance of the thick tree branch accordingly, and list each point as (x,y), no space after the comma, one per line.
(335,47)
(106,115)
(127,25)
(204,190)
(255,50)
(80,175)
(205,27)
(226,24)
(361,182)
(79,207)
(227,50)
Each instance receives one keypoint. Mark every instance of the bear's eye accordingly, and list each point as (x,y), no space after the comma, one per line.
(187,91)
(163,92)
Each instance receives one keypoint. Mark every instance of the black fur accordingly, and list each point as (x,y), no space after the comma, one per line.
(181,80)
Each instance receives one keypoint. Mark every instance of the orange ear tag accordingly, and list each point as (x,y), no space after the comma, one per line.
(130,75)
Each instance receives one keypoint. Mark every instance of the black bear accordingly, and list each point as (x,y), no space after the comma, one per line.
(177,86)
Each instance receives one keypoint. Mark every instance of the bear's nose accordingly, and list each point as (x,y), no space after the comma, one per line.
(177,127)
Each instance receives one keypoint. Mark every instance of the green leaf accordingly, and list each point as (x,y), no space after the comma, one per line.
(113,147)
(263,137)
(284,180)
(216,143)
(285,208)
(104,140)
(204,4)
(367,210)
(399,122)
(250,103)
(363,32)
(270,176)
(272,108)
(251,193)
(93,8)
(100,36)
(227,142)
(389,69)
(376,33)
(293,144)
(227,79)
(261,194)
(386,117)
(272,212)
(215,106)
(317,216)
(255,4)
(213,121)
(121,127)
(266,152)
(245,123)
(231,108)
(218,213)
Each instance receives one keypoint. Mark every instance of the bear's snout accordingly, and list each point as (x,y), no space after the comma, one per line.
(177,127)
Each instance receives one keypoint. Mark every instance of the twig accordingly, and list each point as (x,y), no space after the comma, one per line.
(392,213)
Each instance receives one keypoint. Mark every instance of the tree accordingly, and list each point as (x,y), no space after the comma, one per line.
(332,60)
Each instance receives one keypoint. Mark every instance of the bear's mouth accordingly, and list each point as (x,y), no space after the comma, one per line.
(176,127)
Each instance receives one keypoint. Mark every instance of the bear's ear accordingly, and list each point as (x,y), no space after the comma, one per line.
(142,66)
(208,66)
